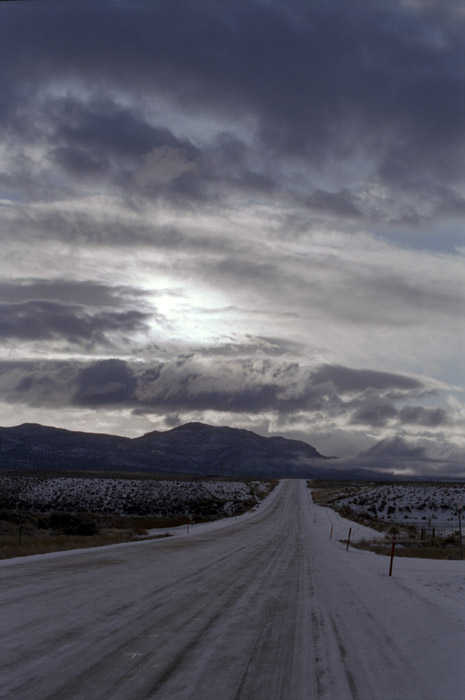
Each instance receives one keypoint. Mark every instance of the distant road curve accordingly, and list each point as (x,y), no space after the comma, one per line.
(267,608)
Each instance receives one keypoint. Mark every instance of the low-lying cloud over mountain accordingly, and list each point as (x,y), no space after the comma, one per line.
(329,399)
(407,458)
(196,448)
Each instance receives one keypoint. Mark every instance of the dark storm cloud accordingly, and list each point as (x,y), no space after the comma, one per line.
(46,384)
(378,413)
(195,382)
(341,203)
(80,162)
(79,312)
(46,320)
(53,384)
(85,292)
(369,397)
(100,140)
(323,81)
(192,384)
(105,382)
(105,126)
(101,137)
(346,380)
(427,417)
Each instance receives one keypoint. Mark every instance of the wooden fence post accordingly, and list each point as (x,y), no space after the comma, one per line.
(392,553)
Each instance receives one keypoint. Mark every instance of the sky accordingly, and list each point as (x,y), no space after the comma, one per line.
(245,213)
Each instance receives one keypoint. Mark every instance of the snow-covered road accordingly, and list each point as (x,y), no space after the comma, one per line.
(264,608)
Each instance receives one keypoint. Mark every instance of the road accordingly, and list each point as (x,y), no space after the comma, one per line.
(266,608)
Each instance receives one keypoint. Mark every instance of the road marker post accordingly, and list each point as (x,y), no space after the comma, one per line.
(392,554)
(348,539)
(331,535)
(459,511)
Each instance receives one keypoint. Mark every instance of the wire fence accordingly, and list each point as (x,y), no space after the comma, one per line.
(419,530)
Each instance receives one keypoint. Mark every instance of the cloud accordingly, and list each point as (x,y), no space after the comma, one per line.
(107,127)
(41,384)
(386,107)
(347,380)
(199,383)
(162,165)
(339,415)
(98,141)
(342,203)
(375,414)
(82,313)
(428,417)
(79,162)
(102,137)
(106,382)
(39,320)
(82,292)
(248,208)
(433,458)
(253,345)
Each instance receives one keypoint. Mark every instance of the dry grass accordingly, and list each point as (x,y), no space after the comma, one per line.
(28,530)
(327,493)
(415,549)
(22,534)
(140,524)
(43,543)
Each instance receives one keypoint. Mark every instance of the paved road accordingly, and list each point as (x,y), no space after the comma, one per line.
(259,610)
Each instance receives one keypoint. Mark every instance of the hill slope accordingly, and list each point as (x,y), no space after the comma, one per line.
(194,448)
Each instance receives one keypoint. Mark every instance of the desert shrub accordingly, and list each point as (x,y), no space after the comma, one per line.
(70,524)
(431,549)
(207,510)
(347,512)
(15,517)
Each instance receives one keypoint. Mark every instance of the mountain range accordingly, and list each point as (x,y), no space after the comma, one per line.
(193,448)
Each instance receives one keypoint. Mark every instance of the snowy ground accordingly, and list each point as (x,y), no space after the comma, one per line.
(413,502)
(266,607)
(127,496)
